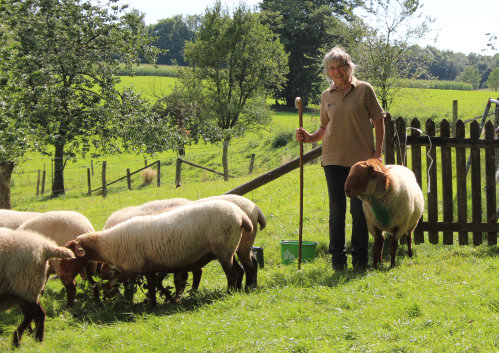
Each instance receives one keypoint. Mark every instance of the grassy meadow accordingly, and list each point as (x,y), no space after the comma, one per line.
(444,299)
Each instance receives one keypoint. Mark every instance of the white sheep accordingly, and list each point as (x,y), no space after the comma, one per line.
(63,226)
(245,249)
(150,208)
(23,270)
(13,219)
(183,239)
(392,201)
(147,208)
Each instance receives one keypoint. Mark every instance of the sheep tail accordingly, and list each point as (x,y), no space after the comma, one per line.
(261,219)
(246,223)
(59,252)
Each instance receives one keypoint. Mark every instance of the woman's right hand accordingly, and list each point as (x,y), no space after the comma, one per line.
(302,135)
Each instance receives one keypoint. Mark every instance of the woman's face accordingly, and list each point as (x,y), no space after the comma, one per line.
(338,73)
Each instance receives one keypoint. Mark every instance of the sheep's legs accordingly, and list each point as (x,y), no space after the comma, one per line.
(393,250)
(245,254)
(379,241)
(196,279)
(408,239)
(151,288)
(31,311)
(234,273)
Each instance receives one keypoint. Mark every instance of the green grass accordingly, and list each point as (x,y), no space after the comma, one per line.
(444,299)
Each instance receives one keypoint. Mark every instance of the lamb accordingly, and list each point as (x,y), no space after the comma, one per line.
(147,208)
(184,239)
(13,219)
(63,226)
(23,270)
(392,201)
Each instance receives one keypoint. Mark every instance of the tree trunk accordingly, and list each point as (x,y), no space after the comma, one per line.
(6,169)
(58,184)
(225,159)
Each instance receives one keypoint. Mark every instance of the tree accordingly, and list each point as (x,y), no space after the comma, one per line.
(14,134)
(171,34)
(393,28)
(470,75)
(493,80)
(234,60)
(307,30)
(65,70)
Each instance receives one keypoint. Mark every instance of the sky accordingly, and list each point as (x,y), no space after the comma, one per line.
(460,26)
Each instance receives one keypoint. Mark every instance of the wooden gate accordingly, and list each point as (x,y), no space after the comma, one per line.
(445,169)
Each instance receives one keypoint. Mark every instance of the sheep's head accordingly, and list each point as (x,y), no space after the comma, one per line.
(364,177)
(85,246)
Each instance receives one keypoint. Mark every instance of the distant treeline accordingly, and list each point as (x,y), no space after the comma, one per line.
(150,70)
(172,33)
(437,84)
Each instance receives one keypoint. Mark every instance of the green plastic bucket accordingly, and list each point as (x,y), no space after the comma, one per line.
(290,248)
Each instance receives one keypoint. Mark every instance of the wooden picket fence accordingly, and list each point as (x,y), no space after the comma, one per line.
(439,158)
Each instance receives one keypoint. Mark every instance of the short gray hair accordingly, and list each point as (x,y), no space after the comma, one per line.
(338,55)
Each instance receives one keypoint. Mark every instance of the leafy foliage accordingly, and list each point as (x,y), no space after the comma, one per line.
(470,75)
(307,30)
(64,68)
(384,54)
(235,59)
(493,80)
(171,34)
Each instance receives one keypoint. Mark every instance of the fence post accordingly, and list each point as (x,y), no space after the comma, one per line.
(145,162)
(159,173)
(496,128)
(89,184)
(178,173)
(252,163)
(454,117)
(104,190)
(92,166)
(43,179)
(128,179)
(38,184)
(389,140)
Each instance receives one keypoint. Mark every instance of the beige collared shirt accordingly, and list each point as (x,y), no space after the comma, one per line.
(347,122)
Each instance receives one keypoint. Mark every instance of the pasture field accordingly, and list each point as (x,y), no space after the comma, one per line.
(444,299)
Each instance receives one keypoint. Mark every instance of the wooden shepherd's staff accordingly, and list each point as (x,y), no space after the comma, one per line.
(299,106)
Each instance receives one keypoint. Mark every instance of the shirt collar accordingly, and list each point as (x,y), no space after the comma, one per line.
(334,88)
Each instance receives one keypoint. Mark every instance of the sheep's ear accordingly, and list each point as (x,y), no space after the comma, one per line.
(76,248)
(382,175)
(79,251)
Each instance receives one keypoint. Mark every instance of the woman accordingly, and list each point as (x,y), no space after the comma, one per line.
(349,108)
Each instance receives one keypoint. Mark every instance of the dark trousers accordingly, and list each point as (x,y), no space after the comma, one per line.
(335,178)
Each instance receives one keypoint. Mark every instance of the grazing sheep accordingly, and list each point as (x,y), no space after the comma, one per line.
(245,249)
(13,219)
(184,239)
(147,208)
(150,208)
(392,201)
(63,226)
(23,270)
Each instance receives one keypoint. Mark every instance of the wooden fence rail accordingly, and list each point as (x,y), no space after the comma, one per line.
(127,176)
